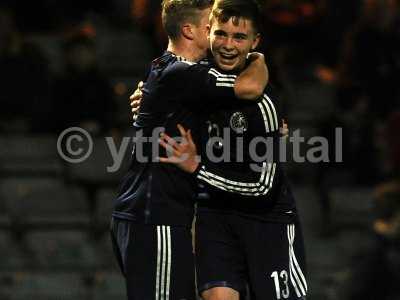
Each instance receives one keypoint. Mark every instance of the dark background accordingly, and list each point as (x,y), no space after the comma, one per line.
(333,63)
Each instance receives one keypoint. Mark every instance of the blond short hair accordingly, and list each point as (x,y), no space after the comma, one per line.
(177,12)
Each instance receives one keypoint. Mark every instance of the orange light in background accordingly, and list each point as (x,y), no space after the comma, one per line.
(88,30)
(307,9)
(85,29)
(120,89)
(285,18)
(138,9)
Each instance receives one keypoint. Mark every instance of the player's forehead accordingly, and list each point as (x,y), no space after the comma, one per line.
(233,25)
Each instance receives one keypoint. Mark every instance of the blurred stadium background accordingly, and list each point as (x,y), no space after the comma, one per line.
(334,63)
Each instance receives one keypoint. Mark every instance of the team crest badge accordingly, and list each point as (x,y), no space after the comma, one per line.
(239,123)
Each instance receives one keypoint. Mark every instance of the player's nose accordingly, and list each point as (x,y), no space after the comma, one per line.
(228,44)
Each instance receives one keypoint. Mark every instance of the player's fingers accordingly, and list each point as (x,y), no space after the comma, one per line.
(285,128)
(140,85)
(190,138)
(284,132)
(183,133)
(164,159)
(169,148)
(135,103)
(169,140)
(189,135)
(172,143)
(136,96)
(167,160)
(182,130)
(138,93)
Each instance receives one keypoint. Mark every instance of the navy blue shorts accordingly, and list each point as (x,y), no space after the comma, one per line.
(157,261)
(239,252)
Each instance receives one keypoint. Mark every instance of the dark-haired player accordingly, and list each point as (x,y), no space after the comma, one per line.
(248,231)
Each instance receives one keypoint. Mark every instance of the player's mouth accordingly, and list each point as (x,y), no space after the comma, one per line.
(228,58)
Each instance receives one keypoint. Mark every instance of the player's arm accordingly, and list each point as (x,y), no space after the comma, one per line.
(211,84)
(214,84)
(215,89)
(251,82)
(184,155)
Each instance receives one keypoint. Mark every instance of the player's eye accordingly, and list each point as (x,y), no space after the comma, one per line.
(219,33)
(240,37)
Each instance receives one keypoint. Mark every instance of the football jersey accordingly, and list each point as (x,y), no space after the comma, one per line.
(176,92)
(241,166)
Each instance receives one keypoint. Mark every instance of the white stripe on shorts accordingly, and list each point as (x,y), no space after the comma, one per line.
(159,249)
(296,262)
(290,265)
(296,275)
(164,254)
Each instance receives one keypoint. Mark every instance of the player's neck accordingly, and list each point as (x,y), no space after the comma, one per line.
(186,50)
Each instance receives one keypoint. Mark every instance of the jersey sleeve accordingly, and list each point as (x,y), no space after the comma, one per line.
(258,180)
(204,86)
(210,83)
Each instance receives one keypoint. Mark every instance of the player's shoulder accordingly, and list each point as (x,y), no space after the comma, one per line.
(182,65)
(182,70)
(170,61)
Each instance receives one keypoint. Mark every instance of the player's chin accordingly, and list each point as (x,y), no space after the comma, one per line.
(226,67)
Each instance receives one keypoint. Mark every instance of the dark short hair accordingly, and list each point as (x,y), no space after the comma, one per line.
(176,12)
(224,10)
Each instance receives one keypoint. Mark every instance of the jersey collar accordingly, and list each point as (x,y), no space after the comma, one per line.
(178,57)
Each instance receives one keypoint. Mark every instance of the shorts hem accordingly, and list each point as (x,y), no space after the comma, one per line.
(215,284)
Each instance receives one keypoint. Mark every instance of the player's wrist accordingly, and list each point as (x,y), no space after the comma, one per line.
(195,169)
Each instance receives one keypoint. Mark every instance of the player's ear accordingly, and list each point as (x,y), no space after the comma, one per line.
(208,29)
(256,41)
(187,31)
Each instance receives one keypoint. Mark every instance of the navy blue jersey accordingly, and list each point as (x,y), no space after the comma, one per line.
(241,166)
(175,92)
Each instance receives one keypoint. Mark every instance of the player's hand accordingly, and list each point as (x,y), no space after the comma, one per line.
(284,130)
(136,99)
(183,154)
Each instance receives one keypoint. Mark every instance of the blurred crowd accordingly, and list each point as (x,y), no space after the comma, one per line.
(36,100)
(351,46)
